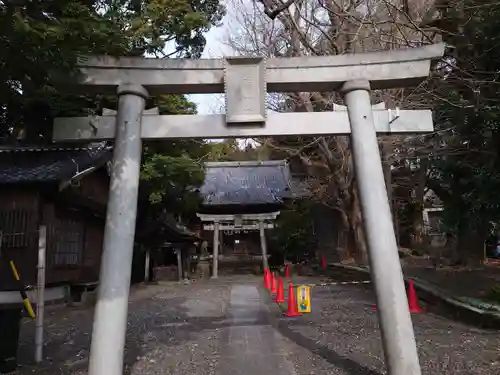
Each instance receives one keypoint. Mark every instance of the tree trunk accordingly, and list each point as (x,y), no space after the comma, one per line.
(470,245)
(386,166)
(418,235)
(395,218)
(356,229)
(361,254)
(328,227)
(386,151)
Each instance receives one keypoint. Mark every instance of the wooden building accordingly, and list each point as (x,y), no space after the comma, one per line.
(65,189)
(241,201)
(161,260)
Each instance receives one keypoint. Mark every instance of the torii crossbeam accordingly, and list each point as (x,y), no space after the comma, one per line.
(245,81)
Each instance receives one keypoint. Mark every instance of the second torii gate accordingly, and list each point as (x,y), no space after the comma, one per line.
(243,195)
(245,81)
(245,222)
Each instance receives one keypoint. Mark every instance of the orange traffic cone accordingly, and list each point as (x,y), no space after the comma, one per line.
(413,299)
(280,295)
(267,279)
(292,303)
(413,305)
(273,283)
(287,271)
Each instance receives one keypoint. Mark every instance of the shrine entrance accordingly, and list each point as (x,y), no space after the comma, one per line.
(243,197)
(235,224)
(246,82)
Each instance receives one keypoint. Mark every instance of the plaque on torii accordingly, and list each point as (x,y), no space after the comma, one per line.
(245,81)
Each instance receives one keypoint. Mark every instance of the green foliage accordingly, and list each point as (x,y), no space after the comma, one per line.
(470,171)
(173,181)
(174,105)
(230,150)
(42,40)
(494,294)
(40,43)
(172,171)
(224,151)
(153,25)
(294,235)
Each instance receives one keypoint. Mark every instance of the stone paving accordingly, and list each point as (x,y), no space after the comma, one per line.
(230,327)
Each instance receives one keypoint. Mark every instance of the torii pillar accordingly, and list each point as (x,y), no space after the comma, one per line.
(110,315)
(397,329)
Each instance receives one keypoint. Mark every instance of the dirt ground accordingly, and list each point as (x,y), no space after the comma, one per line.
(230,326)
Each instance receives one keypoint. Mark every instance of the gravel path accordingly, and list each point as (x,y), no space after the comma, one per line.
(341,336)
(172,329)
(230,327)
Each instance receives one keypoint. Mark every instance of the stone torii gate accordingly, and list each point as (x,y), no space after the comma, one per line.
(245,82)
(219,223)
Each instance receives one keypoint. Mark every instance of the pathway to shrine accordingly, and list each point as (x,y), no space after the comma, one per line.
(229,326)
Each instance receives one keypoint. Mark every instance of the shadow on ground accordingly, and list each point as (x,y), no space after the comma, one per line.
(286,328)
(151,322)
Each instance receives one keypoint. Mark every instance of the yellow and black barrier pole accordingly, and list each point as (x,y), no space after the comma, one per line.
(24,296)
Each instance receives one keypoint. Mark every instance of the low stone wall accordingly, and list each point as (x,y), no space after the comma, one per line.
(53,295)
(167,273)
(438,300)
(240,264)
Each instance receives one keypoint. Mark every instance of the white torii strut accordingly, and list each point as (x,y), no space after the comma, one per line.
(245,82)
(221,222)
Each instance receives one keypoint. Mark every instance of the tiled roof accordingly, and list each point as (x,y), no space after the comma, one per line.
(246,183)
(178,232)
(48,164)
(166,226)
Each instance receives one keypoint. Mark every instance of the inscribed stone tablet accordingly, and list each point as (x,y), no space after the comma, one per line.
(245,89)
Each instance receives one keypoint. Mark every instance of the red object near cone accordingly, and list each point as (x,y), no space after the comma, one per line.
(280,294)
(323,262)
(273,284)
(292,303)
(267,279)
(287,270)
(413,299)
(413,305)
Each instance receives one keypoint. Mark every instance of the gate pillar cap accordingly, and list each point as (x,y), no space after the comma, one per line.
(132,89)
(357,84)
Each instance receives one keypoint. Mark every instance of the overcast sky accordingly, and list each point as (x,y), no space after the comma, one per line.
(215,48)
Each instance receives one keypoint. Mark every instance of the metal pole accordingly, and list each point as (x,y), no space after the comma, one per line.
(221,242)
(215,263)
(263,244)
(146,266)
(40,293)
(110,317)
(398,338)
(179,264)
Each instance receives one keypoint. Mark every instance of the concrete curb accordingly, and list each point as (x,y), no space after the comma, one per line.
(470,311)
(53,295)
